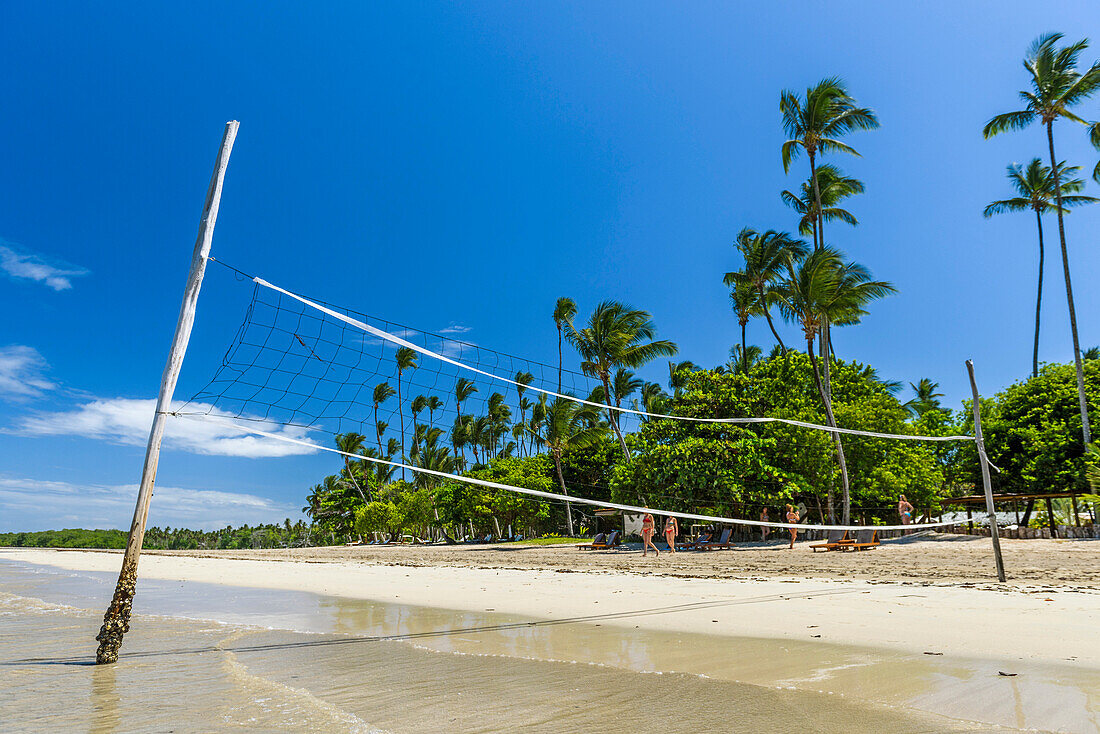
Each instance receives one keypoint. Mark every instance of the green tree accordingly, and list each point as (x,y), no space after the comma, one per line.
(1055,86)
(815,124)
(565,310)
(835,187)
(565,428)
(926,398)
(1035,191)
(352,443)
(382,393)
(406,360)
(617,336)
(766,256)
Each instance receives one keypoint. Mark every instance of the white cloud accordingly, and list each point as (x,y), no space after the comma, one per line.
(454,328)
(21,372)
(35,504)
(29,266)
(127,421)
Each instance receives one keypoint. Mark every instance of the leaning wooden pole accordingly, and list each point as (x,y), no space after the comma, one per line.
(983,460)
(116,622)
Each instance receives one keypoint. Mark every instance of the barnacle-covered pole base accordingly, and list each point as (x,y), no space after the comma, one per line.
(116,622)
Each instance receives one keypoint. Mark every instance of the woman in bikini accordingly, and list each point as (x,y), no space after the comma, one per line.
(764,528)
(905,510)
(792,516)
(672,529)
(648,528)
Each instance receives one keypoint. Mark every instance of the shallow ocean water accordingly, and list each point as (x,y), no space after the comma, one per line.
(204,657)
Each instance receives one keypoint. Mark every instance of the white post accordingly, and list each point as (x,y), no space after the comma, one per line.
(983,460)
(116,622)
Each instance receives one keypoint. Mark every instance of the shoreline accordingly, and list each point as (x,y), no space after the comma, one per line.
(889,615)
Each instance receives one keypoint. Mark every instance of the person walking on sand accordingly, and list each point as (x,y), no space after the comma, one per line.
(764,528)
(905,510)
(648,528)
(792,516)
(672,529)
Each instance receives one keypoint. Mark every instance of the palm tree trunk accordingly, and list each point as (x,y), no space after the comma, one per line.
(744,354)
(1038,299)
(845,494)
(768,317)
(1085,432)
(559,358)
(820,241)
(401,415)
(561,483)
(614,423)
(351,476)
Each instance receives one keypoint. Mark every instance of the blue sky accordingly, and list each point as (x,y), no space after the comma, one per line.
(466,164)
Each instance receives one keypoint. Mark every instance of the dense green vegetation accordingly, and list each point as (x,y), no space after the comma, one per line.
(246,536)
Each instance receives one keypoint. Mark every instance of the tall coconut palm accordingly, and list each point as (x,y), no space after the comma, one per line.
(676,378)
(766,255)
(434,404)
(823,289)
(382,393)
(926,398)
(460,437)
(463,390)
(746,304)
(1056,85)
(523,379)
(617,336)
(406,360)
(1035,188)
(352,443)
(625,384)
(815,124)
(564,429)
(565,310)
(835,187)
(418,405)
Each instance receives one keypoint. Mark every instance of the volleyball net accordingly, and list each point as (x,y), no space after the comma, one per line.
(300,362)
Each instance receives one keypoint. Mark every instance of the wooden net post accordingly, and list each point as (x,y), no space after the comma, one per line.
(116,621)
(983,460)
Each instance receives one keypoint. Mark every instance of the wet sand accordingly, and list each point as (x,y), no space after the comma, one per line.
(469,673)
(921,638)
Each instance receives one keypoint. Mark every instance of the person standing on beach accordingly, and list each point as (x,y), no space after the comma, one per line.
(792,516)
(764,528)
(648,528)
(905,510)
(672,529)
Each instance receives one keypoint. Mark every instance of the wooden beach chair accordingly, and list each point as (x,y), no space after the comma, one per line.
(722,542)
(600,541)
(864,540)
(835,540)
(693,544)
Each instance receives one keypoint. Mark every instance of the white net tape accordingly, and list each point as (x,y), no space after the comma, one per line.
(561,497)
(374,331)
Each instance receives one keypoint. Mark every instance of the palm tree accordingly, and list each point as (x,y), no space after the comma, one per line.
(741,358)
(418,405)
(565,310)
(351,443)
(746,304)
(463,389)
(835,187)
(926,397)
(1056,85)
(477,435)
(625,384)
(766,255)
(564,426)
(460,436)
(406,360)
(676,380)
(434,404)
(617,336)
(654,399)
(523,379)
(1035,188)
(382,393)
(815,125)
(820,290)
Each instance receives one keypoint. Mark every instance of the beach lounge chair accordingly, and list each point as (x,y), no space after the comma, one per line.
(722,542)
(836,540)
(864,540)
(693,544)
(600,541)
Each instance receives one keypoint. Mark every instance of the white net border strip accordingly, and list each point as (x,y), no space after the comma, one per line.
(561,497)
(435,355)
